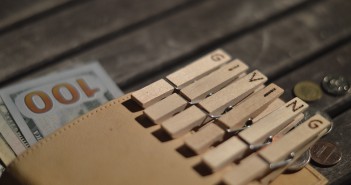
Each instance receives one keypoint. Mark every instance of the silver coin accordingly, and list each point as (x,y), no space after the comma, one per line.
(313,111)
(335,85)
(300,162)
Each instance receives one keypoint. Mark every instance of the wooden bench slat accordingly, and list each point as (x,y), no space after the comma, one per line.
(68,31)
(14,11)
(250,168)
(336,62)
(163,43)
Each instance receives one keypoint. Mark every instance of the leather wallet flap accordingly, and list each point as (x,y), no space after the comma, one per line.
(114,144)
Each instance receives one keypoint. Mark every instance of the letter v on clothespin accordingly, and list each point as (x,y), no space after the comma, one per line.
(215,104)
(233,93)
(279,154)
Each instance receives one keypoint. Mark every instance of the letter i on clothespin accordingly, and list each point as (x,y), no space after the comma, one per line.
(235,119)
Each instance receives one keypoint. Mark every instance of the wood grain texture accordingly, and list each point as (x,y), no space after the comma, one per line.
(274,122)
(215,81)
(225,153)
(153,93)
(341,172)
(185,121)
(60,34)
(247,171)
(274,48)
(165,108)
(250,107)
(199,68)
(283,45)
(204,138)
(168,42)
(14,11)
(233,93)
(295,140)
(336,62)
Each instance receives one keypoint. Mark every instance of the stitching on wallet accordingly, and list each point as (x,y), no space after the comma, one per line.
(62,130)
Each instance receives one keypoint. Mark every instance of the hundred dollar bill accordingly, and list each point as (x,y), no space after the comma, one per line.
(2,170)
(38,107)
(10,131)
(6,154)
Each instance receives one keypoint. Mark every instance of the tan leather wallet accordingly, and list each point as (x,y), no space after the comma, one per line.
(122,143)
(117,144)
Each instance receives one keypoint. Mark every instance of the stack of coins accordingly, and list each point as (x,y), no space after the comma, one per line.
(300,162)
(325,153)
(322,153)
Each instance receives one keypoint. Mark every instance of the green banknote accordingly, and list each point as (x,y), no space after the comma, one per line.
(31,110)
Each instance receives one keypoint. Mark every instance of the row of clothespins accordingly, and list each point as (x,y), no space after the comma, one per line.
(216,96)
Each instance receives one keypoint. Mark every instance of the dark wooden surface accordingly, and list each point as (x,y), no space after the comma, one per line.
(138,42)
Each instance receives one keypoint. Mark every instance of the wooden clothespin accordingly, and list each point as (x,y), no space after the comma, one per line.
(255,137)
(229,95)
(279,154)
(215,81)
(233,93)
(165,108)
(152,93)
(197,69)
(250,107)
(235,119)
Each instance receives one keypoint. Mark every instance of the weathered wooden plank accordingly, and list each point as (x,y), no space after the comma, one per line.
(165,42)
(273,48)
(284,44)
(67,31)
(14,11)
(336,62)
(341,172)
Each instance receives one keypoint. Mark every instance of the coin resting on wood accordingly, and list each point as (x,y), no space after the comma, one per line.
(221,104)
(336,85)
